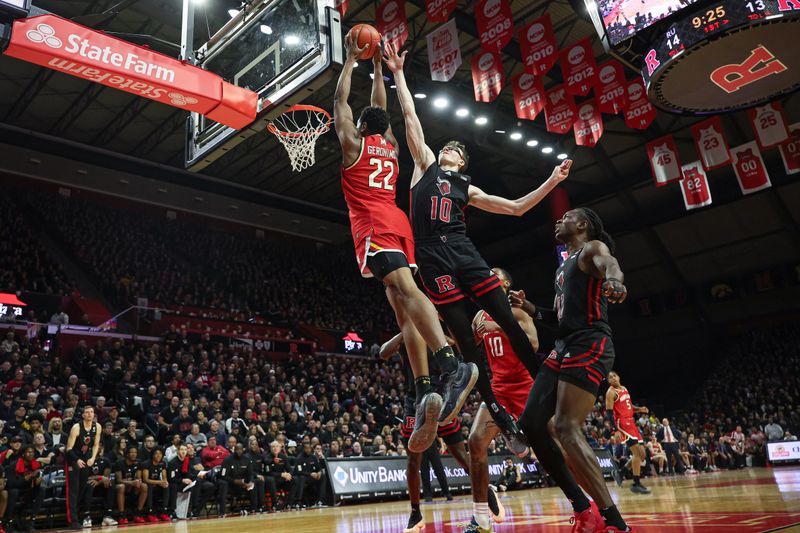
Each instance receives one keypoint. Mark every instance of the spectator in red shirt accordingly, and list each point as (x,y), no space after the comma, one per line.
(213,455)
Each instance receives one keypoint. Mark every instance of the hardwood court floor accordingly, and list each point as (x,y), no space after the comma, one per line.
(750,500)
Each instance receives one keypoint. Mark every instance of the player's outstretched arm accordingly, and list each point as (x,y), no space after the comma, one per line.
(378,94)
(342,114)
(420,152)
(526,323)
(391,347)
(611,397)
(505,206)
(596,260)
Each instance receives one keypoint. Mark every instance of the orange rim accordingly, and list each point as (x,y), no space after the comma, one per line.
(272,128)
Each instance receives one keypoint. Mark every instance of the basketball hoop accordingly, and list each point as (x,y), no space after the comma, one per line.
(298,130)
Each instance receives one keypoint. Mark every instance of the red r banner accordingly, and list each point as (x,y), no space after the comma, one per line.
(639,113)
(694,186)
(495,23)
(64,46)
(528,95)
(392,22)
(749,168)
(539,47)
(559,110)
(709,137)
(579,68)
(769,125)
(790,150)
(439,10)
(588,126)
(611,94)
(662,153)
(487,76)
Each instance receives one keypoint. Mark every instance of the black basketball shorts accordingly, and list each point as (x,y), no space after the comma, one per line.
(583,358)
(452,270)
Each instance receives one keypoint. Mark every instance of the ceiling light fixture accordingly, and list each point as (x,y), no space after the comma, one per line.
(441,102)
(532,143)
(480,121)
(233,12)
(562,156)
(547,150)
(462,112)
(515,136)
(420,96)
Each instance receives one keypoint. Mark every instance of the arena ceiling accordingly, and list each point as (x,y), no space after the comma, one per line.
(661,245)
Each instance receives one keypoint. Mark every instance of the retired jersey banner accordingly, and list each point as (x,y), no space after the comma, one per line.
(709,137)
(487,75)
(588,127)
(790,150)
(539,46)
(392,24)
(662,154)
(579,67)
(694,186)
(439,10)
(749,167)
(495,23)
(611,94)
(444,52)
(559,110)
(639,113)
(528,95)
(769,124)
(341,6)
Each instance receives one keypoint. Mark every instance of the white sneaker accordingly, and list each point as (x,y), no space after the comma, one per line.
(108,521)
(87,522)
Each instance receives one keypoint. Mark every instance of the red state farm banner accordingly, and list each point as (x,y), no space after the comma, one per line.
(495,23)
(694,186)
(662,153)
(579,68)
(528,95)
(488,78)
(439,10)
(709,137)
(749,168)
(769,124)
(790,150)
(391,23)
(67,47)
(639,113)
(611,94)
(539,46)
(444,51)
(588,127)
(559,110)
(341,6)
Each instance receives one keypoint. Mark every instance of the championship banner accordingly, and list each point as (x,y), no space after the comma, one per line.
(539,46)
(611,94)
(528,95)
(694,186)
(769,124)
(709,137)
(439,10)
(341,6)
(790,150)
(444,52)
(639,113)
(559,110)
(579,68)
(391,22)
(495,24)
(662,154)
(64,46)
(588,126)
(487,76)
(749,168)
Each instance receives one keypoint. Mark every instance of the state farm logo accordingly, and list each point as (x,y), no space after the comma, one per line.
(177,99)
(390,11)
(608,74)
(526,81)
(486,62)
(340,476)
(586,112)
(491,8)
(44,33)
(780,451)
(576,55)
(535,33)
(635,91)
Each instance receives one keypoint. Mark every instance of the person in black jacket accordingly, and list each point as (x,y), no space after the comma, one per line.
(237,474)
(25,486)
(256,457)
(154,475)
(670,438)
(279,471)
(100,482)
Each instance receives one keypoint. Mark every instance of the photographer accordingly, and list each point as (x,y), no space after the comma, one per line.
(25,487)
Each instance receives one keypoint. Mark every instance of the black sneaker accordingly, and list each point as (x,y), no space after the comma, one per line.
(426,425)
(617,475)
(640,489)
(496,507)
(515,439)
(457,386)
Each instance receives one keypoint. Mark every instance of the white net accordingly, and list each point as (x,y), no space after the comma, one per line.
(298,131)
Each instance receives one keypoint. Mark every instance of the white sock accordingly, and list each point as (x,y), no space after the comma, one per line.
(480,511)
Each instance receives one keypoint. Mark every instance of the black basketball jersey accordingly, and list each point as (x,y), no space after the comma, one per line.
(85,441)
(580,302)
(128,471)
(100,465)
(154,470)
(437,205)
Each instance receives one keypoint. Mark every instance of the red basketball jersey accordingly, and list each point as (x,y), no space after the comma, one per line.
(508,372)
(623,408)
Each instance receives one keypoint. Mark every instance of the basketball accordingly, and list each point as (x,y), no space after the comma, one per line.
(365,35)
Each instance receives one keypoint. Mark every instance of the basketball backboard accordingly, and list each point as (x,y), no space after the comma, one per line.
(281,49)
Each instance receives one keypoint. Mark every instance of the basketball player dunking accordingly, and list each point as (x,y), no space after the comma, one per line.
(385,248)
(451,268)
(618,400)
(566,387)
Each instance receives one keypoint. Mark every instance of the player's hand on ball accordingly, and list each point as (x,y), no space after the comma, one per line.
(516,298)
(352,50)
(615,291)
(392,59)
(561,172)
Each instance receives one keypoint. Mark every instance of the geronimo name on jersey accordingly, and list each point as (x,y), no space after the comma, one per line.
(580,302)
(438,201)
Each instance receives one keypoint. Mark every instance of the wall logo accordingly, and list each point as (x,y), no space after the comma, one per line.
(177,99)
(526,81)
(486,61)
(44,33)
(491,8)
(586,113)
(536,33)
(608,74)
(576,55)
(340,476)
(390,11)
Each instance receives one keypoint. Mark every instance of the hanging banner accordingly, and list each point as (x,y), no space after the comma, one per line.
(439,10)
(559,110)
(588,127)
(539,46)
(769,124)
(579,67)
(790,150)
(662,154)
(495,24)
(341,6)
(391,23)
(639,113)
(487,76)
(444,52)
(528,95)
(694,186)
(749,167)
(711,144)
(612,97)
